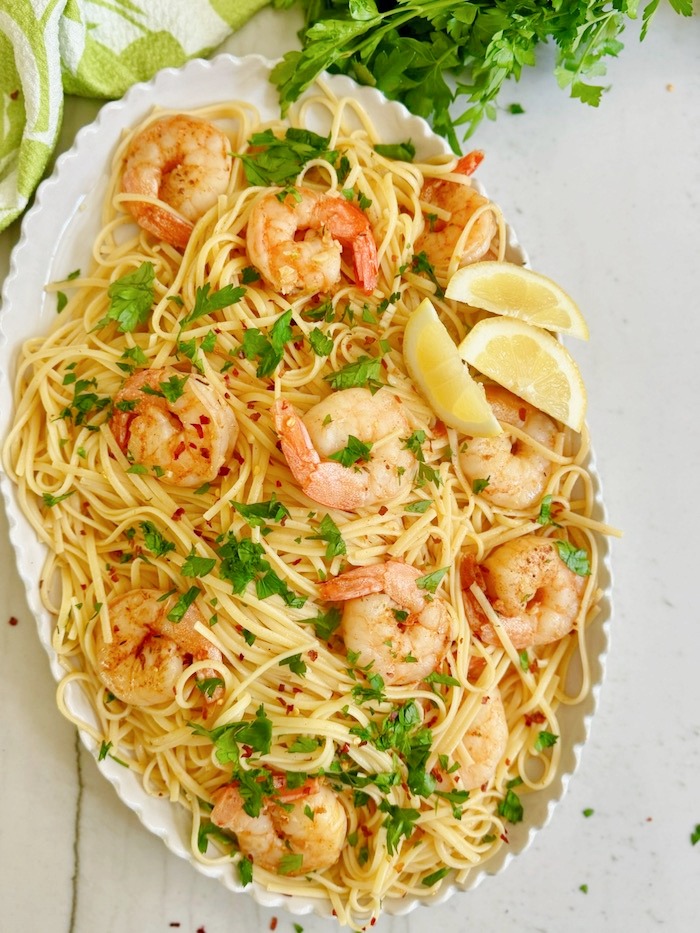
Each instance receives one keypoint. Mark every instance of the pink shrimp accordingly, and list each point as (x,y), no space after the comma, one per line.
(183,162)
(297,242)
(461,202)
(378,421)
(390,621)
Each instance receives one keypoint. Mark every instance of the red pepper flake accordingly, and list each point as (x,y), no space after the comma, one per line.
(114,577)
(83,586)
(344,749)
(297,690)
(313,654)
(205,452)
(273,923)
(179,450)
(204,419)
(278,483)
(289,710)
(255,416)
(177,514)
(238,457)
(201,930)
(13,620)
(281,701)
(298,344)
(365,830)
(224,471)
(373,921)
(522,413)
(14,95)
(440,430)
(200,431)
(297,561)
(383,510)
(280,688)
(250,405)
(247,751)
(505,838)
(174,923)
(538,718)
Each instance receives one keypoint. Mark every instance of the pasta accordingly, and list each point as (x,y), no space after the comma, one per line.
(229,580)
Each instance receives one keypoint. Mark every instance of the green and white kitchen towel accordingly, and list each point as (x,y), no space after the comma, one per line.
(93,48)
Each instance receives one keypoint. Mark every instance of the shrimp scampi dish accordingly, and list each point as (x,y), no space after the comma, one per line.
(302,607)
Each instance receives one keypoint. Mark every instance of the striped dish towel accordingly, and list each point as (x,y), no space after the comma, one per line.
(91,48)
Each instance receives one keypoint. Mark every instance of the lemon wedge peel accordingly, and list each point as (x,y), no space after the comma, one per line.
(531,363)
(515,291)
(435,365)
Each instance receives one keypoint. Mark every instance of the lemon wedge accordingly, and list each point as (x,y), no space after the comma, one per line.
(436,368)
(529,362)
(517,292)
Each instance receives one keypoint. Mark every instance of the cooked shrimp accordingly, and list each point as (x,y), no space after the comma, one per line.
(182,161)
(390,622)
(535,595)
(516,471)
(296,243)
(186,438)
(484,743)
(308,821)
(462,202)
(379,421)
(148,652)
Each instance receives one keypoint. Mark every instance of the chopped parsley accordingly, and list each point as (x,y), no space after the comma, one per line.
(50,501)
(402,152)
(576,559)
(256,734)
(243,562)
(155,542)
(328,531)
(206,301)
(131,298)
(326,623)
(545,740)
(268,350)
(196,566)
(354,451)
(431,581)
(183,604)
(257,514)
(364,372)
(321,343)
(510,808)
(279,160)
(398,823)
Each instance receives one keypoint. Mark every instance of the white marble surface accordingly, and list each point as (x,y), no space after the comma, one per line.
(606,202)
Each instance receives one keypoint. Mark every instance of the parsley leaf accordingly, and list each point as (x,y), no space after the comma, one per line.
(576,559)
(206,301)
(131,298)
(326,623)
(545,740)
(267,350)
(195,566)
(183,604)
(155,542)
(354,451)
(321,343)
(431,581)
(363,372)
(255,733)
(257,514)
(278,160)
(329,531)
(399,822)
(403,152)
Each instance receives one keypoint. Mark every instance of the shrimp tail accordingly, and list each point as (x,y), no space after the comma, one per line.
(351,227)
(325,481)
(364,253)
(394,577)
(301,455)
(470,162)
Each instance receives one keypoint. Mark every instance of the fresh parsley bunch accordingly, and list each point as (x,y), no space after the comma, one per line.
(430,53)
